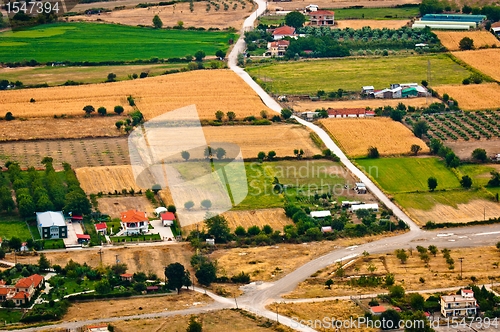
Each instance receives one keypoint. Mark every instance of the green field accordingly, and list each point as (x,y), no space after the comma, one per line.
(95,74)
(480,174)
(307,77)
(106,42)
(398,175)
(427,200)
(10,316)
(376,13)
(9,229)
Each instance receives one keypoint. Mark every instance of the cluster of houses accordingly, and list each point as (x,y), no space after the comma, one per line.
(23,291)
(397,90)
(449,21)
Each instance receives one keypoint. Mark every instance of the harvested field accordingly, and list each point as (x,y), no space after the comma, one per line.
(473,96)
(78,153)
(127,307)
(114,205)
(355,136)
(293,5)
(338,310)
(273,262)
(436,275)
(138,258)
(50,128)
(374,24)
(106,179)
(463,149)
(451,39)
(170,15)
(149,94)
(485,60)
(303,106)
(216,321)
(275,218)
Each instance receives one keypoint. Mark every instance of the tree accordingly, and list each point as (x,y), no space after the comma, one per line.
(206,203)
(175,273)
(433,250)
(479,155)
(435,145)
(9,116)
(15,243)
(397,115)
(118,109)
(220,54)
(390,318)
(263,114)
(77,202)
(286,113)
(219,115)
(431,7)
(208,153)
(220,153)
(2,253)
(103,286)
(43,263)
(199,55)
(466,9)
(261,155)
(295,19)
(101,110)
(111,77)
(157,22)
(495,179)
(119,268)
(397,292)
(206,273)
(188,205)
(329,283)
(271,155)
(218,228)
(402,255)
(466,181)
(171,208)
(373,152)
(185,155)
(420,128)
(425,83)
(417,301)
(415,149)
(89,109)
(390,279)
(466,43)
(432,183)
(194,325)
(240,231)
(231,115)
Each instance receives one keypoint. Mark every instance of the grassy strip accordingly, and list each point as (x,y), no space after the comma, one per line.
(465,65)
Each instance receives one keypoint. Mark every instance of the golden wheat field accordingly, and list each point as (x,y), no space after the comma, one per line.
(305,105)
(451,39)
(486,61)
(209,90)
(106,179)
(473,96)
(356,135)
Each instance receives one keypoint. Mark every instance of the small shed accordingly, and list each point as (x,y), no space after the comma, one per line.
(160,210)
(152,289)
(77,218)
(346,204)
(409,92)
(360,188)
(366,90)
(82,238)
(167,218)
(320,214)
(126,276)
(210,242)
(101,228)
(377,310)
(326,229)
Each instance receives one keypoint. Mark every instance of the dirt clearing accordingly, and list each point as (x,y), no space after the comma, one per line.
(303,106)
(114,205)
(485,60)
(463,149)
(127,307)
(356,135)
(473,96)
(294,5)
(451,39)
(170,15)
(374,24)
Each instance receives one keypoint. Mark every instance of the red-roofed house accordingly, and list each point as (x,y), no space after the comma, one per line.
(346,113)
(96,328)
(322,18)
(377,310)
(277,48)
(167,218)
(6,293)
(101,228)
(21,298)
(81,238)
(459,305)
(134,222)
(282,32)
(126,276)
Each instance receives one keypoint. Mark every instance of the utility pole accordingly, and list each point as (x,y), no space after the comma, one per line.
(277,315)
(461,259)
(100,254)
(117,260)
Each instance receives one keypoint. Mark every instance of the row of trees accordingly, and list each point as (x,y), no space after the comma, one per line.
(89,109)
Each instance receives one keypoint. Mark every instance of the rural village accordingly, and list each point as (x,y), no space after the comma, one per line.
(250,165)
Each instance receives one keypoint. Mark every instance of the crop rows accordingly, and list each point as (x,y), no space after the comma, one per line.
(455,126)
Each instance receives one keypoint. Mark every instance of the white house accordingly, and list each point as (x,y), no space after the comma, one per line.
(320,214)
(167,218)
(134,222)
(51,225)
(459,305)
(373,207)
(282,32)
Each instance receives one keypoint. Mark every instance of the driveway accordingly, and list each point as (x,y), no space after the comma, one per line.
(165,232)
(73,229)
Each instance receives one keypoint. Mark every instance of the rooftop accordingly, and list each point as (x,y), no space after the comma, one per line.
(322,12)
(101,226)
(133,216)
(167,216)
(284,31)
(50,218)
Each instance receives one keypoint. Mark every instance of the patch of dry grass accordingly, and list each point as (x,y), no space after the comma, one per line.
(106,179)
(374,24)
(356,135)
(451,39)
(485,60)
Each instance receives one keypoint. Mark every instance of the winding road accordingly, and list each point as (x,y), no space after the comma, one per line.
(258,295)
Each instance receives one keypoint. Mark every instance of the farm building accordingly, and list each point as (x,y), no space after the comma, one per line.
(167,218)
(346,204)
(400,90)
(51,225)
(282,32)
(360,188)
(409,92)
(449,21)
(134,222)
(277,48)
(348,113)
(373,207)
(326,229)
(82,238)
(322,18)
(459,305)
(495,27)
(320,214)
(366,90)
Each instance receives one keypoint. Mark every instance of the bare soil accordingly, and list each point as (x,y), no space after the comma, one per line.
(300,5)
(463,149)
(114,205)
(374,24)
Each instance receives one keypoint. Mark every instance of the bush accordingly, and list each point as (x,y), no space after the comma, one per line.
(241,278)
(9,116)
